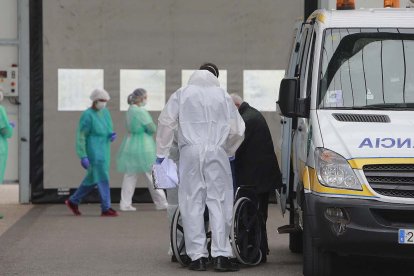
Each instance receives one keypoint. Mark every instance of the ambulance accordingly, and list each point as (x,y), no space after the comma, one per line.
(346,147)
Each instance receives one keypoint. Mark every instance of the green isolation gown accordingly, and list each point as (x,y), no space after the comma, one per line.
(6,131)
(137,153)
(93,141)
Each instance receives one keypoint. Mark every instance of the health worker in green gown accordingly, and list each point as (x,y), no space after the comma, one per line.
(6,132)
(94,136)
(137,152)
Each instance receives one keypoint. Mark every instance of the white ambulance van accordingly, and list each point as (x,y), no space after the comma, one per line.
(347,142)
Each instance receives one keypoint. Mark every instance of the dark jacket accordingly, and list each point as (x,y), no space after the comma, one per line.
(256,162)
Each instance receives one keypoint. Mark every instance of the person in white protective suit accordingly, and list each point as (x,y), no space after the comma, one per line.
(210,130)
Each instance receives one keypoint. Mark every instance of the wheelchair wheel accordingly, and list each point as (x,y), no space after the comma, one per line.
(246,232)
(177,239)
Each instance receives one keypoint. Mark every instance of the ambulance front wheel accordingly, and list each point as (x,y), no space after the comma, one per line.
(316,261)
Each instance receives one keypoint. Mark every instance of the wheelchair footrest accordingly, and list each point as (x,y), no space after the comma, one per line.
(287,229)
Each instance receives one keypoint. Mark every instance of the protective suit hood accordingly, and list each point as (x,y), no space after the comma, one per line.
(203,78)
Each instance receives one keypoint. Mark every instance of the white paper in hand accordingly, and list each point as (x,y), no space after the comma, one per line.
(164,175)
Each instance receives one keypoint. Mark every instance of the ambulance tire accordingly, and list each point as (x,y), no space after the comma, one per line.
(316,261)
(295,239)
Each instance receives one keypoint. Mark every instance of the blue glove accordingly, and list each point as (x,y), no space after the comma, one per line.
(85,163)
(13,125)
(112,136)
(232,158)
(159,160)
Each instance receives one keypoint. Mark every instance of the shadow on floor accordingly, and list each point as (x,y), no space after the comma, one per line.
(370,266)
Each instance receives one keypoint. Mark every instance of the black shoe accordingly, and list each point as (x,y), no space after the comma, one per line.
(264,259)
(185,259)
(198,265)
(174,259)
(223,264)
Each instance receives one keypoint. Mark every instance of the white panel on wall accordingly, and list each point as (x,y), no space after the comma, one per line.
(186,74)
(75,87)
(261,88)
(153,81)
(8,19)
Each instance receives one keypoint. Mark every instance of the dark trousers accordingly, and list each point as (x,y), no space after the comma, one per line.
(263,199)
(233,175)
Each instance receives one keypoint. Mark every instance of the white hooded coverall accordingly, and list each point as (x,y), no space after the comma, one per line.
(210,130)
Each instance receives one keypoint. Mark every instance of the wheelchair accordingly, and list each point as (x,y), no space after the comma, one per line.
(245,235)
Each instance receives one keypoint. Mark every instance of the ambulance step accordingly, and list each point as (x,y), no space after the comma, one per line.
(287,229)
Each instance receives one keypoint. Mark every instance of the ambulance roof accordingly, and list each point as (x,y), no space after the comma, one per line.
(365,18)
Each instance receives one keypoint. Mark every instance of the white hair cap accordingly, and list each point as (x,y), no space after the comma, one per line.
(99,94)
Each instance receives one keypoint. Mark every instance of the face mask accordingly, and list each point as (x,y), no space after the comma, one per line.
(100,105)
(143,103)
(1,96)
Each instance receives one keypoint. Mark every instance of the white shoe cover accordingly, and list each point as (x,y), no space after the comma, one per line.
(127,208)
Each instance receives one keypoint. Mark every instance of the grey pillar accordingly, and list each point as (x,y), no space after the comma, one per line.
(24,96)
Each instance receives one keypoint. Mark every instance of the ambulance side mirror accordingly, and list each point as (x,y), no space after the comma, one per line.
(288,97)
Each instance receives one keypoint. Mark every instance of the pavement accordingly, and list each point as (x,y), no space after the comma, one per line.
(11,213)
(10,209)
(49,240)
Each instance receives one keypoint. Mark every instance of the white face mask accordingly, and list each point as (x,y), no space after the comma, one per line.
(100,105)
(1,96)
(143,103)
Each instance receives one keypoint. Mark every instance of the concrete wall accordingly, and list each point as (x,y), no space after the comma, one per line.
(157,34)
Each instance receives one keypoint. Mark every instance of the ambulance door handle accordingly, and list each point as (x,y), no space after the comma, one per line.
(23,139)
